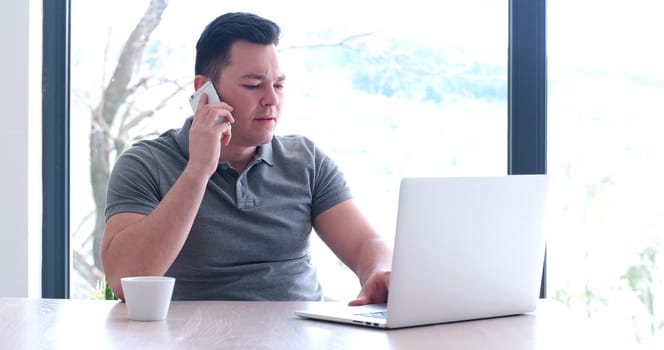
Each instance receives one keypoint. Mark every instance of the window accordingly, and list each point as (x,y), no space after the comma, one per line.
(605,91)
(404,91)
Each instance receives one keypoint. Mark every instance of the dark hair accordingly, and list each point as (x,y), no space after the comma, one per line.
(214,45)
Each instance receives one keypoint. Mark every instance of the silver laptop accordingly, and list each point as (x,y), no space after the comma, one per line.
(465,248)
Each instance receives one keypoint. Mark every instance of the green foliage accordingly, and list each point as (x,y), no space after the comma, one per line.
(103,292)
(642,279)
(562,296)
(108,293)
(640,276)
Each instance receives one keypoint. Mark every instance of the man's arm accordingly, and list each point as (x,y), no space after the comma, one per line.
(140,245)
(136,244)
(350,236)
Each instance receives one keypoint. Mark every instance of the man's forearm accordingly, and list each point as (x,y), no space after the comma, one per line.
(376,256)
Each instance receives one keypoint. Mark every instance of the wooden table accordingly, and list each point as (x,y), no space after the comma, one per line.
(87,324)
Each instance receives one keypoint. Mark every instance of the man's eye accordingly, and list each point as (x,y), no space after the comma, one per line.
(279,86)
(251,87)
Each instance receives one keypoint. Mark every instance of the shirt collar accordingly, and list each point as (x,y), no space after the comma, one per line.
(264,152)
(182,137)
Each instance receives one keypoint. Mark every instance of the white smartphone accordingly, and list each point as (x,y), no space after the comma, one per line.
(208,89)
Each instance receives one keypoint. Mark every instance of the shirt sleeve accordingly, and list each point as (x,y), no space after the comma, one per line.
(134,183)
(330,187)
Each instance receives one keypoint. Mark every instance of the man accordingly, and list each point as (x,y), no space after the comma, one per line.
(228,211)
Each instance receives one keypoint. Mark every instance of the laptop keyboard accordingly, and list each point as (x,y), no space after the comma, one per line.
(378,314)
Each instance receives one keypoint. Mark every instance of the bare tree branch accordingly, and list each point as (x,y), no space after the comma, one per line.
(343,42)
(135,119)
(113,97)
(130,58)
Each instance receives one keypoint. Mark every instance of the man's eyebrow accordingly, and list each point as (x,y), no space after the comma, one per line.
(257,76)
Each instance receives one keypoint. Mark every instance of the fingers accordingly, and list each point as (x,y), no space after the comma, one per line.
(225,123)
(360,300)
(214,115)
(226,134)
(210,131)
(226,128)
(374,291)
(201,102)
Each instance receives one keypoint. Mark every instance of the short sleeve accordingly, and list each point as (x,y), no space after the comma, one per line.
(330,187)
(134,183)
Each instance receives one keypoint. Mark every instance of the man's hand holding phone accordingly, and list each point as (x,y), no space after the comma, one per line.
(210,129)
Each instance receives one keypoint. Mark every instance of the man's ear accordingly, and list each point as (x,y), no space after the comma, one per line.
(199,80)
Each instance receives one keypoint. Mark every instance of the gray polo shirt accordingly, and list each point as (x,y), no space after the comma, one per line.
(249,240)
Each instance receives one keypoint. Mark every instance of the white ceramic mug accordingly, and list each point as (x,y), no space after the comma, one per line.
(147,297)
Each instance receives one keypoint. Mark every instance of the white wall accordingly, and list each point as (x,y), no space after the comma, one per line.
(20,144)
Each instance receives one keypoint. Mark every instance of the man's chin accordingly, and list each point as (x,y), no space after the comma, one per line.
(262,140)
(267,138)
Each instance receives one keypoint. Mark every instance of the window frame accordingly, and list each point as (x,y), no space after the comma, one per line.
(526,120)
(527,94)
(55,149)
